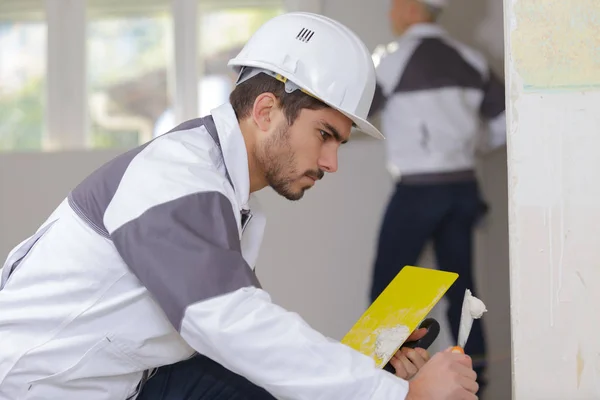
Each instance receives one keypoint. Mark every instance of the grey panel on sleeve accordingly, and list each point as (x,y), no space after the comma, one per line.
(91,197)
(494,102)
(191,124)
(435,64)
(186,251)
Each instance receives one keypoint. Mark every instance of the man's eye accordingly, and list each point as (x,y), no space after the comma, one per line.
(325,135)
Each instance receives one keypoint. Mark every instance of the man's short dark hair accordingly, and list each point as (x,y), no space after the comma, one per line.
(243,96)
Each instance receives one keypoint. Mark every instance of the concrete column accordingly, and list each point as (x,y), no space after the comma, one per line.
(66,95)
(553,102)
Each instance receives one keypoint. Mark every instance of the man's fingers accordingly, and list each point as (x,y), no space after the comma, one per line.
(459,357)
(423,353)
(400,372)
(399,367)
(415,357)
(468,373)
(465,360)
(464,371)
(408,366)
(468,384)
(417,334)
(469,396)
(404,368)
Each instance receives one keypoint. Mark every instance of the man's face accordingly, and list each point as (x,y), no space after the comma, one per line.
(295,157)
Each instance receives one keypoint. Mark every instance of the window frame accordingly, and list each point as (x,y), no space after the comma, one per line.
(66,119)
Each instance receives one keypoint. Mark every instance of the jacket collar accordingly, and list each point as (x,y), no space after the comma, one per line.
(425,30)
(234,151)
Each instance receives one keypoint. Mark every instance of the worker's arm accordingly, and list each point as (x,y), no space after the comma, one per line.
(186,252)
(379,101)
(492,110)
(277,350)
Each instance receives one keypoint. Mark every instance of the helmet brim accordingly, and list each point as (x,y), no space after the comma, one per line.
(359,123)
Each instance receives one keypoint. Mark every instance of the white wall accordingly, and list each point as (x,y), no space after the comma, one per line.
(32,185)
(554,202)
(322,270)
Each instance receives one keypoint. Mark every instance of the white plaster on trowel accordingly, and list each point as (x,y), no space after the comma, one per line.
(389,339)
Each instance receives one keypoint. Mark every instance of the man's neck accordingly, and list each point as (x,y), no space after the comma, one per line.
(257,175)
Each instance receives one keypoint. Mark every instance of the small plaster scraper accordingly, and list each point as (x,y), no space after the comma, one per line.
(472,308)
(398,311)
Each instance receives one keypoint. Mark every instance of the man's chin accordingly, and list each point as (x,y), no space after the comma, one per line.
(292,195)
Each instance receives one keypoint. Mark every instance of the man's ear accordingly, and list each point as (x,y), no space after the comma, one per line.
(263,111)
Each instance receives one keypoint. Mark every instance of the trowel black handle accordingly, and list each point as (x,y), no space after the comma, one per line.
(433,330)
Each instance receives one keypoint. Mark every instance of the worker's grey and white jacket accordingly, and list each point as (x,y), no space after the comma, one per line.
(149,260)
(436,96)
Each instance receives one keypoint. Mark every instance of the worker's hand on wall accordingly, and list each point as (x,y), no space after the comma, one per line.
(447,376)
(407,362)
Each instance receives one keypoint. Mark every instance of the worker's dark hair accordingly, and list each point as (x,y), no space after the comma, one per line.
(243,96)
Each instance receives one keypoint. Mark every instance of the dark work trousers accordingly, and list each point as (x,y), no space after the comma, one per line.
(200,378)
(445,213)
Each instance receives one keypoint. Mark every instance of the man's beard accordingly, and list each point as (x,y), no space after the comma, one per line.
(278,160)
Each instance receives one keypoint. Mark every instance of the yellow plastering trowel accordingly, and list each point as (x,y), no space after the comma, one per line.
(397,312)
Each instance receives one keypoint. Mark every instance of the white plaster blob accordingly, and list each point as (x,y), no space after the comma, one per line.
(476,306)
(472,308)
(389,339)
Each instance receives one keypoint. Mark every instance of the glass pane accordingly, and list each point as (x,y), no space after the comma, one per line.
(22,85)
(223,32)
(128,68)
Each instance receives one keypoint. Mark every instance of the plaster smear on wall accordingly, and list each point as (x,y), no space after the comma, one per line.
(551,43)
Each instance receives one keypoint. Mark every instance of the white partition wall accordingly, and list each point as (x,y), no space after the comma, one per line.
(553,69)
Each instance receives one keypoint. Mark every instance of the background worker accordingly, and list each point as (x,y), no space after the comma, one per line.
(435,96)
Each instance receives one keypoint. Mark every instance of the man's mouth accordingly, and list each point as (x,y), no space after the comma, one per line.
(316,176)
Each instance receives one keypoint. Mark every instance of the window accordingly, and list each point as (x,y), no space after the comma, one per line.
(128,58)
(222,32)
(115,73)
(22,76)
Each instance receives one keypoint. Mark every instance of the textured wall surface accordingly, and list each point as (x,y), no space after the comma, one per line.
(553,65)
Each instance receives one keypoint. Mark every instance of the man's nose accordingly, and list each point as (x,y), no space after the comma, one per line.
(328,161)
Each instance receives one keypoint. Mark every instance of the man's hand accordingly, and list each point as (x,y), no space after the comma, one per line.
(447,376)
(407,362)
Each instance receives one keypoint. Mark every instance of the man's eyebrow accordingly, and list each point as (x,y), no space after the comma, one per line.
(334,132)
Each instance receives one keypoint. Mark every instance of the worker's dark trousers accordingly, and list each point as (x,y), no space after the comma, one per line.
(200,378)
(446,214)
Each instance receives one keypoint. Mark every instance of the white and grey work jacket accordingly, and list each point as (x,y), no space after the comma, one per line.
(149,260)
(436,97)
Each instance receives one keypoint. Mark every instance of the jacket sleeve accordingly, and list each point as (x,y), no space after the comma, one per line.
(186,252)
(379,101)
(248,334)
(492,110)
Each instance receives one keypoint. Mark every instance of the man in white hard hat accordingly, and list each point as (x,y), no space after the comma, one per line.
(142,280)
(434,96)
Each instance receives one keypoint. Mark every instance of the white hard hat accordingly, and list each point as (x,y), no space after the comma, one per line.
(320,56)
(436,3)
